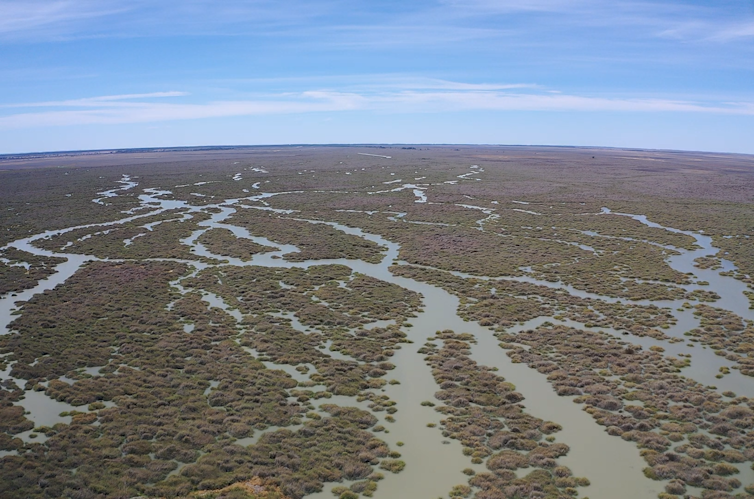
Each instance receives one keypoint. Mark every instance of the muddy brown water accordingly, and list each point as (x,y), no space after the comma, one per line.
(433,463)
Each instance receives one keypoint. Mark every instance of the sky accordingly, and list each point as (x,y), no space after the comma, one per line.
(93,74)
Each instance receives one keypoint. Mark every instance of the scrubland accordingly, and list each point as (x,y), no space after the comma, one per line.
(189,376)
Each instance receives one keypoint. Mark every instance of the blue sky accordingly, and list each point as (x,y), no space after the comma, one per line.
(91,74)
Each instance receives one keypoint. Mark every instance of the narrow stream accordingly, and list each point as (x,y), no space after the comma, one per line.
(731,290)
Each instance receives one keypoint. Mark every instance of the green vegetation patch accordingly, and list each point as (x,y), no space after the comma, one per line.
(223,242)
(681,427)
(484,413)
(20,270)
(316,241)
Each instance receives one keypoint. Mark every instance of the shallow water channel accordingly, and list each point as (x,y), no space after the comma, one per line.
(433,463)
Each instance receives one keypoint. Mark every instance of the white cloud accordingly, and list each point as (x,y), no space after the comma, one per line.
(449,97)
(505,101)
(436,83)
(357,24)
(98,101)
(507,6)
(55,19)
(734,32)
(146,112)
(33,16)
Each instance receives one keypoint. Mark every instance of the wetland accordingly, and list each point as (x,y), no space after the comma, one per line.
(486,322)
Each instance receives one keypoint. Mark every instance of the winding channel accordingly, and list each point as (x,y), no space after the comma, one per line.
(434,464)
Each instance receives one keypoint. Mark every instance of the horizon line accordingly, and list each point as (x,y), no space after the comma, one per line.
(127,150)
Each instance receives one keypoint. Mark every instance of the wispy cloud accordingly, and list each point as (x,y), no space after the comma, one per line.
(433,83)
(65,19)
(550,101)
(119,112)
(30,17)
(443,97)
(719,22)
(110,100)
(508,6)
(375,83)
(733,32)
(359,23)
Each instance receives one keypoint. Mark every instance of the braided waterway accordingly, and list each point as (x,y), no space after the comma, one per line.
(434,464)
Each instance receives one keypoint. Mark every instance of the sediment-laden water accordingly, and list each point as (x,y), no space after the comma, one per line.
(434,463)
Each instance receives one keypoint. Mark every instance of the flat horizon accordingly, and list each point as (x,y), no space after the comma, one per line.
(123,150)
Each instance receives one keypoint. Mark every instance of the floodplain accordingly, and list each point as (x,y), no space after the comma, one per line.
(388,322)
